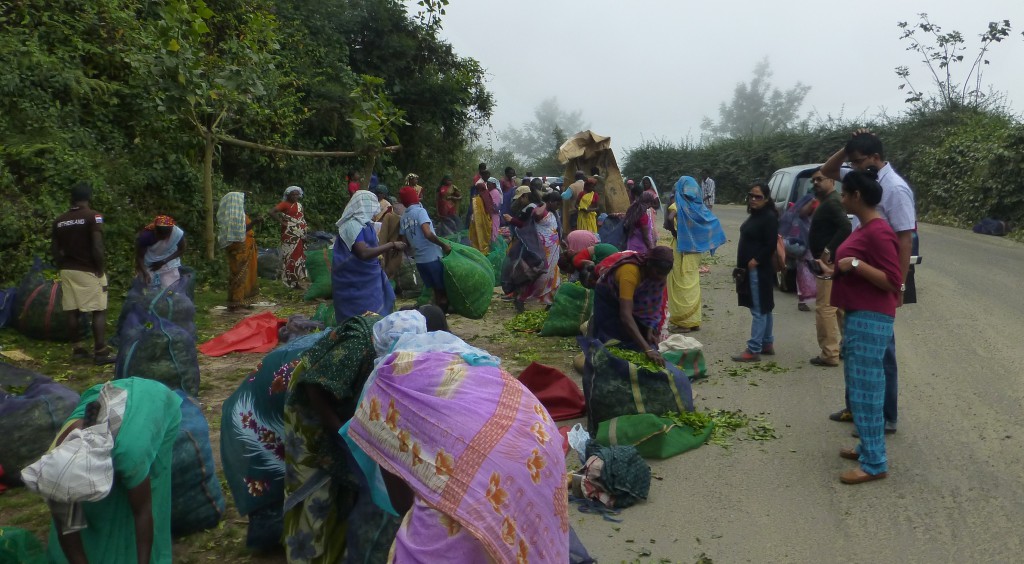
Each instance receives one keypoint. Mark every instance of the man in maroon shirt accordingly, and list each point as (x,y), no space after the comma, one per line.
(77,249)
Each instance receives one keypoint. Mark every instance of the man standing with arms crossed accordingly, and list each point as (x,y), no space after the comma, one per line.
(829,228)
(862,151)
(77,249)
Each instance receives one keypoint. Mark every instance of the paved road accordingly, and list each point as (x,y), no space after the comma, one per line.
(955,491)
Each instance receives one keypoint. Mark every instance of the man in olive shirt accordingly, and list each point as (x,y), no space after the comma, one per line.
(78,251)
(829,228)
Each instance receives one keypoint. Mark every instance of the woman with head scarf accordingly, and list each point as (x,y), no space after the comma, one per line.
(629,300)
(235,236)
(289,214)
(358,281)
(331,511)
(695,231)
(586,206)
(158,250)
(132,523)
(412,180)
(467,454)
(638,223)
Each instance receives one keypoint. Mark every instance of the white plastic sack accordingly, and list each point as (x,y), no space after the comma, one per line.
(79,469)
(679,342)
(578,437)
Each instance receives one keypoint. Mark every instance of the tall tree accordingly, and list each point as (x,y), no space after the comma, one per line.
(536,143)
(757,107)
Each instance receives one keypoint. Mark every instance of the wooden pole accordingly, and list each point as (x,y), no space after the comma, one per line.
(295,153)
(210,145)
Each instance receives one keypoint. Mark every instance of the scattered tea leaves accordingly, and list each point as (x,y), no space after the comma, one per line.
(634,357)
(527,322)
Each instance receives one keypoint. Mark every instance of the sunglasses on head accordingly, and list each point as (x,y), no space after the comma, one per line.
(755,197)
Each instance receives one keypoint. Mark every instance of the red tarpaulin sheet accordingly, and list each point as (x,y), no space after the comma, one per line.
(254,334)
(560,395)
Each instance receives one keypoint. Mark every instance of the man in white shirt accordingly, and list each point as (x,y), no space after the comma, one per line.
(862,151)
(707,186)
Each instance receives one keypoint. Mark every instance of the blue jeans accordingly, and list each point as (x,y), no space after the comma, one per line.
(892,388)
(761,324)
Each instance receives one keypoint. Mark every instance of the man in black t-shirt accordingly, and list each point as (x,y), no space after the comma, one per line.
(78,252)
(829,228)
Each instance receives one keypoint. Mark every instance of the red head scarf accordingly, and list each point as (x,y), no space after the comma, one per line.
(408,196)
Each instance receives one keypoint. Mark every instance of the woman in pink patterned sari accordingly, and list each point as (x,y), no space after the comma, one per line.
(470,455)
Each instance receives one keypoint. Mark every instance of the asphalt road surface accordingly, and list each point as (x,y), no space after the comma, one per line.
(955,491)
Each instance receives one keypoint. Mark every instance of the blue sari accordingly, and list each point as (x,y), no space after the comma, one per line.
(359,286)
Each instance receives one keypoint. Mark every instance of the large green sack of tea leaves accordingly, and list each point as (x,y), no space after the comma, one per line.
(570,309)
(197,501)
(408,283)
(499,248)
(32,410)
(318,267)
(469,281)
(37,307)
(154,348)
(172,303)
(653,436)
(613,386)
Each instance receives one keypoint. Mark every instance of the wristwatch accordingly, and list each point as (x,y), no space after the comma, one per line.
(854,264)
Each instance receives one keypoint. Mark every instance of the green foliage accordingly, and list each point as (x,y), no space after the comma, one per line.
(757,108)
(113,92)
(963,164)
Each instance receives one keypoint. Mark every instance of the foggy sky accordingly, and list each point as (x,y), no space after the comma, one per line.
(652,69)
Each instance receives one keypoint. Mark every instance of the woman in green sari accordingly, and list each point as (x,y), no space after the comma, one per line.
(133,522)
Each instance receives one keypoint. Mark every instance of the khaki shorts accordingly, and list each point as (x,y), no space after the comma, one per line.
(83,291)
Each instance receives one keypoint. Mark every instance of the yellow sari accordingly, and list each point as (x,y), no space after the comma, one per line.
(684,302)
(481,226)
(586,220)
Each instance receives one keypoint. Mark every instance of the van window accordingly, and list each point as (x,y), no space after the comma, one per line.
(774,185)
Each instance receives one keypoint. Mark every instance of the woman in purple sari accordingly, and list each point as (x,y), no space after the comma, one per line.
(358,282)
(471,458)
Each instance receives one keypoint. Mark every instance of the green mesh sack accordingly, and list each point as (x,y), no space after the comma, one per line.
(569,310)
(18,545)
(469,281)
(499,248)
(318,267)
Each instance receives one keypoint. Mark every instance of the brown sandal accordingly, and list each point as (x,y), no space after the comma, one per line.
(859,476)
(849,454)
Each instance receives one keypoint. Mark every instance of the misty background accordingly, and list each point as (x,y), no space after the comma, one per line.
(656,70)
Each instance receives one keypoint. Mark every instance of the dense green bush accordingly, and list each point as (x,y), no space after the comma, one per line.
(963,164)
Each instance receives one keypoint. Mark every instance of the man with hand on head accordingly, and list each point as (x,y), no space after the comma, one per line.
(864,150)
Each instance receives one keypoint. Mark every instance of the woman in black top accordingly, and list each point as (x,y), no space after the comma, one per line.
(755,269)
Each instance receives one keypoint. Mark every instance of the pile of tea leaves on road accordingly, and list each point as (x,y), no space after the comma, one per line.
(771,367)
(527,322)
(727,425)
(635,357)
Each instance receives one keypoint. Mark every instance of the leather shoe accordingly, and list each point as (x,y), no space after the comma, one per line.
(849,454)
(843,415)
(858,476)
(818,361)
